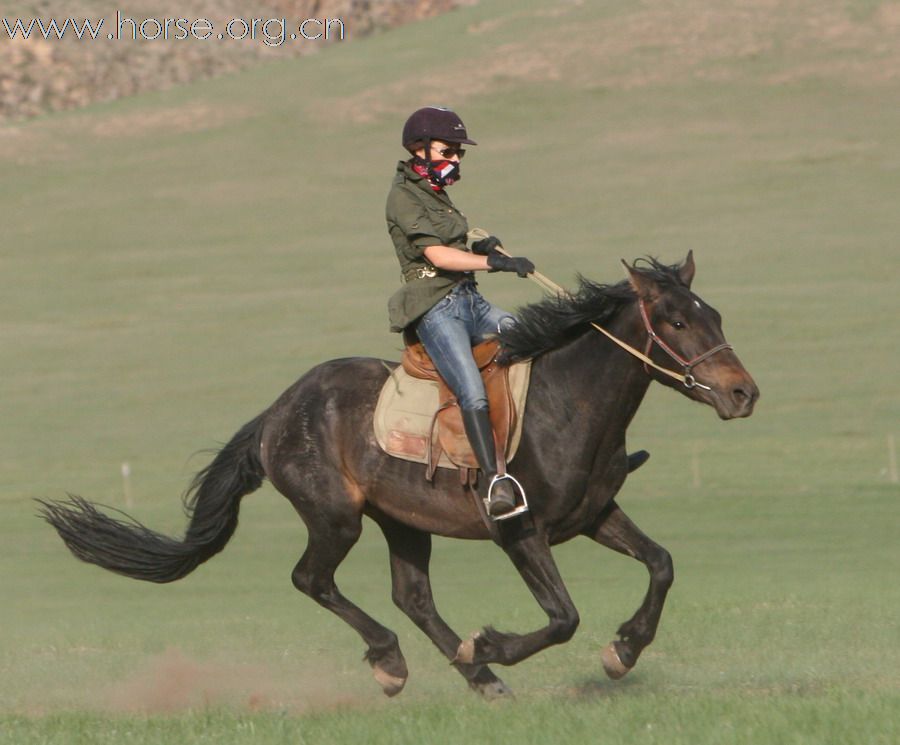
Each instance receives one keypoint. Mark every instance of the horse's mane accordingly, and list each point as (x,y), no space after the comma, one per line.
(557,320)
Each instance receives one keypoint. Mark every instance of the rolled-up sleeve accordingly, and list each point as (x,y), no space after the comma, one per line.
(409,217)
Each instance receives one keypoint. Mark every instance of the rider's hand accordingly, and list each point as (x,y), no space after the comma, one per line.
(486,246)
(518,264)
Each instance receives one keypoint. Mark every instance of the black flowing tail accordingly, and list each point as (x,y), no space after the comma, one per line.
(129,548)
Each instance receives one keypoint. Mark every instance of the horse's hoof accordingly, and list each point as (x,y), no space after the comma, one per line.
(612,663)
(390,684)
(494,691)
(465,654)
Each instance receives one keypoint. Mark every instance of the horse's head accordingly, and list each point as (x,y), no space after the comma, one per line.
(684,335)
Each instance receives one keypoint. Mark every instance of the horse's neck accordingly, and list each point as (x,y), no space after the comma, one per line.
(597,386)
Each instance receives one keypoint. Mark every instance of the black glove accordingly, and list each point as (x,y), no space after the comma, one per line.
(518,264)
(486,246)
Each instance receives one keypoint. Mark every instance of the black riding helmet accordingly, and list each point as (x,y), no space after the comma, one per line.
(435,123)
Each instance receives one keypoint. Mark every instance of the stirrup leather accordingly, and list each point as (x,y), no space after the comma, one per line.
(518,510)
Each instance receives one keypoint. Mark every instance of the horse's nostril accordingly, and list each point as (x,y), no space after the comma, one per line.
(740,394)
(744,396)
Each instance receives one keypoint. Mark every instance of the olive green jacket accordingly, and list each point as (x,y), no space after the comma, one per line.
(418,217)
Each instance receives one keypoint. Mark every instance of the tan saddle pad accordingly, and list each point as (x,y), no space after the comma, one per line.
(417,417)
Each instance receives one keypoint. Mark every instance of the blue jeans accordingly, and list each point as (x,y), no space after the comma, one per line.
(449,331)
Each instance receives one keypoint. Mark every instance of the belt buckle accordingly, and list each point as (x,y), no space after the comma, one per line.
(424,272)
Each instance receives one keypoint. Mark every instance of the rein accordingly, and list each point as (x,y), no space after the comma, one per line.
(686,378)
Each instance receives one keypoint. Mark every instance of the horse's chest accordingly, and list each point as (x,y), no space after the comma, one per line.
(578,513)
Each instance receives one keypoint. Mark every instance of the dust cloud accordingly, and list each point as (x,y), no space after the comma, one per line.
(173,682)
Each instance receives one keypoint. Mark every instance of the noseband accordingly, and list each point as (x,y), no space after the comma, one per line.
(687,376)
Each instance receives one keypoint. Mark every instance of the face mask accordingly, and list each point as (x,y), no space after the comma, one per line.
(445,172)
(440,173)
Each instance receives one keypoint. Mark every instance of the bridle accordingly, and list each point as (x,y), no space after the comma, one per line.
(687,376)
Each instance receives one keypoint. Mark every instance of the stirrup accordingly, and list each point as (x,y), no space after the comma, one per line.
(518,510)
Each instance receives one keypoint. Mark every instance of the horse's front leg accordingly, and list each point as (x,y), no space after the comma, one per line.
(530,553)
(615,530)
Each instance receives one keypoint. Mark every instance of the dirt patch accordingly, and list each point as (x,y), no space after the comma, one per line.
(26,146)
(48,141)
(507,63)
(173,682)
(176,120)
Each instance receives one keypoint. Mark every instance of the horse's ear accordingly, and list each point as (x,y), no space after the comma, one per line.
(687,269)
(642,285)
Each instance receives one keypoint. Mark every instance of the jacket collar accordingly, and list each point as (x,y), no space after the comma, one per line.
(406,172)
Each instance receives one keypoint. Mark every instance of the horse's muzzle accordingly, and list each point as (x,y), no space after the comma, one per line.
(735,400)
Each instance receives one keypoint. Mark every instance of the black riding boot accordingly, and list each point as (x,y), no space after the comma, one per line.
(481,437)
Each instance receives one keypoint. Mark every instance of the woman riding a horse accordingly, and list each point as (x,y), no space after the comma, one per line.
(316,443)
(439,301)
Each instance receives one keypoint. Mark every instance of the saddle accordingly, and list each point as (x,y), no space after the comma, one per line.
(418,417)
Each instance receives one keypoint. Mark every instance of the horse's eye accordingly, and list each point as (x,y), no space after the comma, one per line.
(677,325)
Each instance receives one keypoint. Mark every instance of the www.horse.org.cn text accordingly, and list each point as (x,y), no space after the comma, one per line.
(272,32)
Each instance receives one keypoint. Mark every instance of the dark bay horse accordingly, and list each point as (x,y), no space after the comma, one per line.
(317,447)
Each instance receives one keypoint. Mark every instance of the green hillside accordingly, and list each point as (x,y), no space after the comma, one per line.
(170,263)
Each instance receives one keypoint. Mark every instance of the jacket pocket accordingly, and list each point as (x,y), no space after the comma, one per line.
(449,224)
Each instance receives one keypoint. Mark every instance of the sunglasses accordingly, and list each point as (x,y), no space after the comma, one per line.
(449,152)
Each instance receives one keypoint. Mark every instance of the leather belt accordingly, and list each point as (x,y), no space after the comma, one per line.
(430,272)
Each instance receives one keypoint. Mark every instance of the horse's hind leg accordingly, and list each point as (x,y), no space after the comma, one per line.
(616,531)
(331,536)
(410,554)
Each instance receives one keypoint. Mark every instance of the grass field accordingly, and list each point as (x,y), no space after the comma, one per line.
(169,264)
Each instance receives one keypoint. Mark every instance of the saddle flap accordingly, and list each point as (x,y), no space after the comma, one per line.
(418,364)
(451,429)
